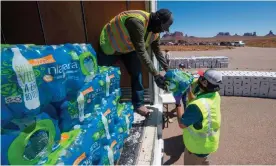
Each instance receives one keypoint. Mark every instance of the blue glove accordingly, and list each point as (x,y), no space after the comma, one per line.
(177,99)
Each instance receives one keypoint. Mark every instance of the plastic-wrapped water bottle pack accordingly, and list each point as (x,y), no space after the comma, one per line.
(178,81)
(66,106)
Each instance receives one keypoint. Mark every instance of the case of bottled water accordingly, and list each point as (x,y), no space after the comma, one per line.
(51,89)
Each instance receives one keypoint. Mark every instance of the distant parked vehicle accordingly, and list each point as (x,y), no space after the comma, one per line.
(239,44)
(225,44)
(216,44)
(170,43)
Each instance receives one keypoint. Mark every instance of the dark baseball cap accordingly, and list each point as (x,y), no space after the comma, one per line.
(181,65)
(166,18)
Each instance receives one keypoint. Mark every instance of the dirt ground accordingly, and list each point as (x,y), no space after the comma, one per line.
(248,130)
(245,58)
(194,48)
(248,134)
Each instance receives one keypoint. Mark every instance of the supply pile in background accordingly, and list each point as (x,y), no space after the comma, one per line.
(248,83)
(200,62)
(60,107)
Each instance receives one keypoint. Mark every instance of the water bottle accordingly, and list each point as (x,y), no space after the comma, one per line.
(105,122)
(97,109)
(108,156)
(118,94)
(92,147)
(89,66)
(26,79)
(129,111)
(80,101)
(107,80)
(118,76)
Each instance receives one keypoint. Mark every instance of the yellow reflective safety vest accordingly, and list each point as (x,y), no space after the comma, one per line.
(205,140)
(115,38)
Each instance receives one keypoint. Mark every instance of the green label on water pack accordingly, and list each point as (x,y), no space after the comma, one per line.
(67,139)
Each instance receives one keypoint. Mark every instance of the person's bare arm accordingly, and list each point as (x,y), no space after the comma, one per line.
(191,95)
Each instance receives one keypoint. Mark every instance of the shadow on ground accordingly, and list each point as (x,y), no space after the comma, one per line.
(173,147)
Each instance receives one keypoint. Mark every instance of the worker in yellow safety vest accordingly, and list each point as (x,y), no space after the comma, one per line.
(126,37)
(194,87)
(201,120)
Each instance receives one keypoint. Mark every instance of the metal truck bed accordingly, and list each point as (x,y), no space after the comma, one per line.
(144,145)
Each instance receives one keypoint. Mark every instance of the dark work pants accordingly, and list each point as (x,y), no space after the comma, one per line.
(133,66)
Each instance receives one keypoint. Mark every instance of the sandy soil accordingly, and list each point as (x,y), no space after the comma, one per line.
(247,58)
(195,48)
(248,134)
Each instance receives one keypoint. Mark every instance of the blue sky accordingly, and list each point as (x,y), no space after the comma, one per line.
(206,19)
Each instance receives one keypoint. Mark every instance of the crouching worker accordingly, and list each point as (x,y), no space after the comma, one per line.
(201,120)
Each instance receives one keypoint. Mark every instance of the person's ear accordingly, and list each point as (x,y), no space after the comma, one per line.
(204,83)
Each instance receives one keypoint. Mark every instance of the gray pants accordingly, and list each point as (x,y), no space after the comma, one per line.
(192,159)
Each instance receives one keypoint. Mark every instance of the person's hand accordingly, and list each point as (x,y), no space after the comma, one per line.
(181,125)
(160,81)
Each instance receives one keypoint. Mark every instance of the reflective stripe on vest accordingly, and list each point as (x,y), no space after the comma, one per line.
(209,131)
(206,139)
(118,36)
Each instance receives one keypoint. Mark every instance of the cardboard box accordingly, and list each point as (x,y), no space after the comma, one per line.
(201,65)
(272,85)
(255,85)
(272,93)
(214,64)
(246,89)
(246,79)
(254,93)
(228,83)
(264,79)
(264,92)
(197,65)
(255,89)
(222,86)
(238,91)
(265,84)
(272,79)
(256,80)
(229,90)
(221,91)
(237,85)
(237,79)
(246,84)
(226,78)
(245,94)
(223,64)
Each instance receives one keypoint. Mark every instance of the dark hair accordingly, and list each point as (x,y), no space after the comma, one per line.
(166,50)
(210,87)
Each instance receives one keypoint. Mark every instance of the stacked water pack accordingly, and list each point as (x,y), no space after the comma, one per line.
(178,81)
(28,132)
(26,141)
(104,123)
(47,90)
